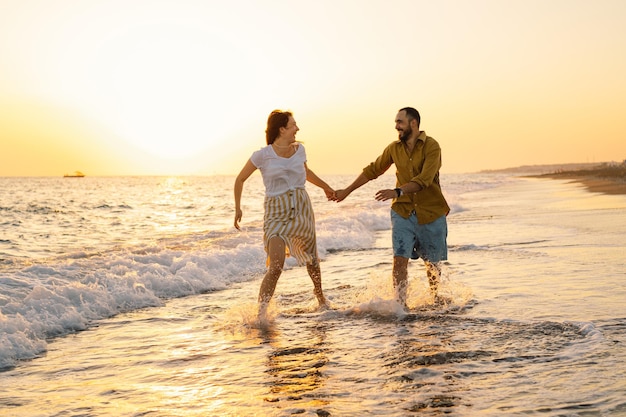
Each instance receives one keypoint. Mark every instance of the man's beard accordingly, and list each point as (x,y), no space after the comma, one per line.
(404,136)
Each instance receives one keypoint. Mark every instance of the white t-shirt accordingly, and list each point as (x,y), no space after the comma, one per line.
(280,174)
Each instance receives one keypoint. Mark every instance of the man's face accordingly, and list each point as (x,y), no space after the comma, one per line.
(403,126)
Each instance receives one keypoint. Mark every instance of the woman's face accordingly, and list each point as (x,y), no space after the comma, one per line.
(289,132)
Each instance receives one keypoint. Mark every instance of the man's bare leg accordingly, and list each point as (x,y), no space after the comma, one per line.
(433,272)
(400,279)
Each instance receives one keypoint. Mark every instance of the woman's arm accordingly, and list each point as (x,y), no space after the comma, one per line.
(245,173)
(315,180)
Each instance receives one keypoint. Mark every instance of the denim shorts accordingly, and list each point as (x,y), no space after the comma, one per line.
(413,240)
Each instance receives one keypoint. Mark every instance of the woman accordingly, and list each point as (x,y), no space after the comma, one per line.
(289,224)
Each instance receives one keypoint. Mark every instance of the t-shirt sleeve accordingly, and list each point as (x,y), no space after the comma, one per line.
(257,158)
(303,152)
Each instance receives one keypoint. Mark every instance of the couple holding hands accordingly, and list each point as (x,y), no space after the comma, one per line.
(418,210)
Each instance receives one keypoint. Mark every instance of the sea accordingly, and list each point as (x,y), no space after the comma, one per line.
(136,296)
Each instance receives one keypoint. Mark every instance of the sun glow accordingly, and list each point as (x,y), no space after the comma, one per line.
(176,89)
(171,88)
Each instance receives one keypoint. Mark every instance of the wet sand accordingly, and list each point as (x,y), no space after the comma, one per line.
(597,185)
(593,180)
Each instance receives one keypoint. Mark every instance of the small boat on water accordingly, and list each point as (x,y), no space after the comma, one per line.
(76,174)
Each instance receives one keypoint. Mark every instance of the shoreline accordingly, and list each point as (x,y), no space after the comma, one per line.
(607,178)
(594,184)
(604,178)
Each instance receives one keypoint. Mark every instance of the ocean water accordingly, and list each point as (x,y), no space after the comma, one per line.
(137,297)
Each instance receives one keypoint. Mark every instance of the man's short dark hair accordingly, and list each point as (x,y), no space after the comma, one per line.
(412,113)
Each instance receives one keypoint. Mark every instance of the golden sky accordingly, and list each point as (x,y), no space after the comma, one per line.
(158,87)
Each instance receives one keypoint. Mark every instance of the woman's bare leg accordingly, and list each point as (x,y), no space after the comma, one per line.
(276,253)
(316,276)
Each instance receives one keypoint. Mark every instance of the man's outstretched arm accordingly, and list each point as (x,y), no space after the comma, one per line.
(358,182)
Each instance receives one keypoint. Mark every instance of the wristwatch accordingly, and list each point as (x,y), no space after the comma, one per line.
(398,191)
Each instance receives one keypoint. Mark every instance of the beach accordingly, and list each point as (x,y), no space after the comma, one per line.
(138,298)
(599,179)
(596,185)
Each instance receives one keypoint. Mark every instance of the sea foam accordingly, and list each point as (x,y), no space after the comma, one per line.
(113,245)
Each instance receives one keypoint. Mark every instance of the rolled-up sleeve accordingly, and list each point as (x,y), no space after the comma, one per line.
(380,165)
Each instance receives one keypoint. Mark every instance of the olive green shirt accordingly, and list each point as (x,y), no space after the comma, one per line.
(422,167)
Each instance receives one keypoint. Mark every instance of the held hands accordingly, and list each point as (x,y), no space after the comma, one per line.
(341,195)
(331,195)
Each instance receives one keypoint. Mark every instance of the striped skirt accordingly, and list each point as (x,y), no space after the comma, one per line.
(290,217)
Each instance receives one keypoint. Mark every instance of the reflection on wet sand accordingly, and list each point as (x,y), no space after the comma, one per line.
(296,369)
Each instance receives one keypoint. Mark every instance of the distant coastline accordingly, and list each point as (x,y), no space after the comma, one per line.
(606,177)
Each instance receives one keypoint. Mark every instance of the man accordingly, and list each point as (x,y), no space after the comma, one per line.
(419,209)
